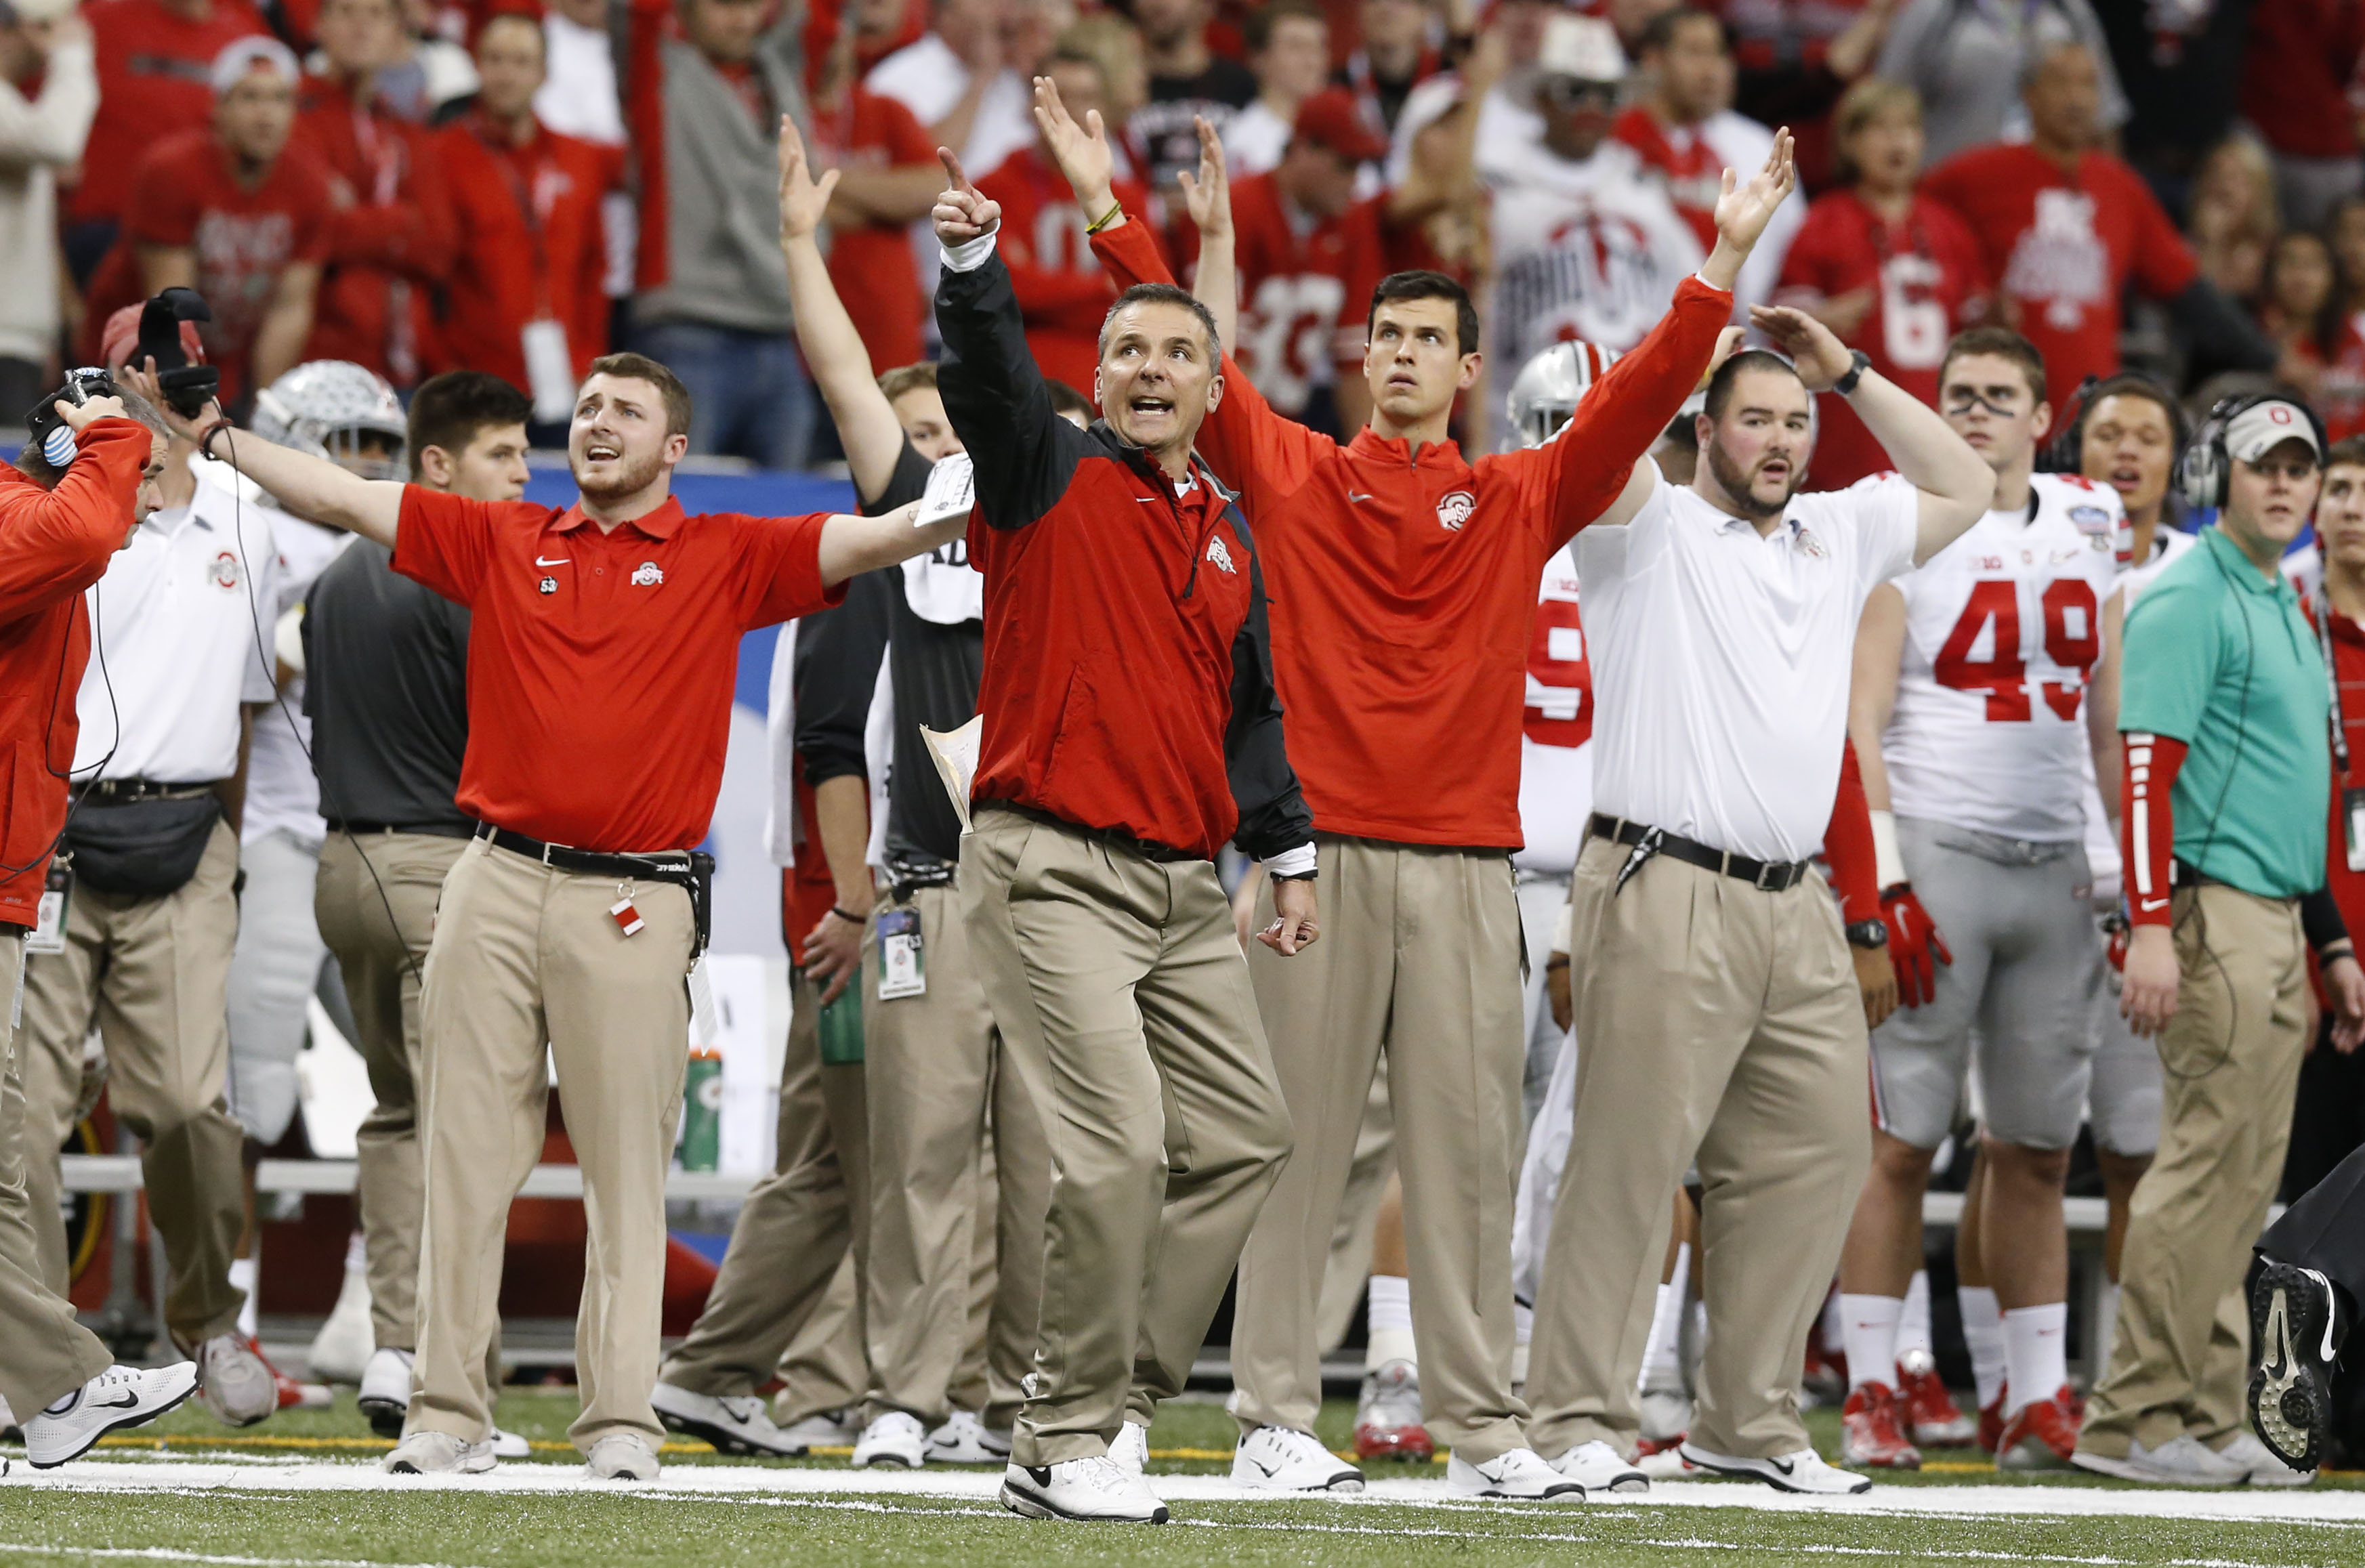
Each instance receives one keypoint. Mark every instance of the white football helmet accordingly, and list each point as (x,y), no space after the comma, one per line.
(325,407)
(1548,387)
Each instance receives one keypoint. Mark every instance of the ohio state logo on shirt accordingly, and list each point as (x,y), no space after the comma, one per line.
(226,570)
(1219,556)
(650,574)
(1453,510)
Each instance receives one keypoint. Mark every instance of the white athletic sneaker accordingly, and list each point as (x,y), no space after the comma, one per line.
(120,1396)
(825,1430)
(621,1456)
(1521,1474)
(1131,1449)
(1096,1488)
(385,1396)
(509,1445)
(964,1439)
(894,1437)
(737,1424)
(438,1453)
(2260,1465)
(1281,1458)
(234,1382)
(341,1352)
(2183,1460)
(1598,1467)
(1801,1471)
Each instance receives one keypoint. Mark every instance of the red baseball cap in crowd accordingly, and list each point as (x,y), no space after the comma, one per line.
(1331,118)
(121,340)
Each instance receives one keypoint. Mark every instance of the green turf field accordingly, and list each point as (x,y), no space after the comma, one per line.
(302,1490)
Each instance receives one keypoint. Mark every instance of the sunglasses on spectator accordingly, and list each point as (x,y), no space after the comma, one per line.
(1570,93)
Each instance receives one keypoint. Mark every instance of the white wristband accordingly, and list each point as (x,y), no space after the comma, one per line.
(1888,865)
(968,255)
(1561,930)
(1292,862)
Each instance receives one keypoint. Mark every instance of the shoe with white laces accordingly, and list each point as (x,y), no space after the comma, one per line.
(120,1396)
(2183,1460)
(341,1352)
(1282,1459)
(964,1439)
(385,1396)
(509,1445)
(1520,1475)
(1598,1467)
(235,1383)
(1131,1449)
(894,1436)
(736,1424)
(1803,1471)
(438,1453)
(1095,1488)
(620,1456)
(2296,1327)
(2262,1465)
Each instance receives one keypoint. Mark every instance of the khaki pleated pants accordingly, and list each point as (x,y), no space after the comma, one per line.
(1125,1004)
(1420,960)
(1722,1020)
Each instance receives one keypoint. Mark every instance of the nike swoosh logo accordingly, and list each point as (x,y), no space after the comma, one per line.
(560,562)
(2150,904)
(128,1402)
(1353,497)
(1783,1465)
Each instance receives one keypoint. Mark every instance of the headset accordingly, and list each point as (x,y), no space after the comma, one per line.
(2066,452)
(2204,472)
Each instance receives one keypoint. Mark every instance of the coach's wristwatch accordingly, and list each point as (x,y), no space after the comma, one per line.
(1867,934)
(1846,384)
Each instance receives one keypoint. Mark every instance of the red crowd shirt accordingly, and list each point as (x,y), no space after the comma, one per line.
(386,251)
(1692,172)
(1928,281)
(53,545)
(2340,394)
(2065,249)
(155,79)
(1303,298)
(528,244)
(2349,673)
(2297,69)
(1404,584)
(187,195)
(600,663)
(876,278)
(1061,287)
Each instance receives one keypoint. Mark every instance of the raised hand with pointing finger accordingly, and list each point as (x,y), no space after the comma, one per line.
(962,214)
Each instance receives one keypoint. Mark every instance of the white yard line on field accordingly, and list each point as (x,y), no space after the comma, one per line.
(11,1549)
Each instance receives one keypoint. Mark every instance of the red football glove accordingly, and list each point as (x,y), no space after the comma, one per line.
(1914,942)
(2116,929)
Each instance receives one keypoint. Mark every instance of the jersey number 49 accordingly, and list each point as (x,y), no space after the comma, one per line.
(2072,643)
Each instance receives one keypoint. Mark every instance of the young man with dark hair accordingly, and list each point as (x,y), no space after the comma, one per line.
(386,688)
(1289,49)
(1968,710)
(1130,728)
(1405,580)
(2225,791)
(599,691)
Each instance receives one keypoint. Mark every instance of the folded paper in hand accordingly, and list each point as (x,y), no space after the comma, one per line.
(956,754)
(951,491)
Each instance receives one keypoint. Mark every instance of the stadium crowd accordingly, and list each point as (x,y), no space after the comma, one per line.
(1879,358)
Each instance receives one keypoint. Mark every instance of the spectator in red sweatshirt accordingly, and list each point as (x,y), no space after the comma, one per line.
(154,57)
(390,240)
(888,177)
(524,300)
(1062,291)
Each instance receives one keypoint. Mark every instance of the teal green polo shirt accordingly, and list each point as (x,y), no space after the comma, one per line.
(2223,659)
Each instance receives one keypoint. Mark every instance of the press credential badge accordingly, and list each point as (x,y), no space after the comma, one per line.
(903,968)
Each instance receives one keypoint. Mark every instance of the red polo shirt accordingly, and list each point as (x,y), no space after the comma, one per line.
(601,664)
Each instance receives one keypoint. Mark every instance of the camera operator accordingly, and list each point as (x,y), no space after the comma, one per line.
(60,526)
(151,914)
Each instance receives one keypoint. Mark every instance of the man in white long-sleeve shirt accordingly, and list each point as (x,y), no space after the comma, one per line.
(41,42)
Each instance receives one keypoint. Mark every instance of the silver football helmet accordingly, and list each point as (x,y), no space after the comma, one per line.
(326,406)
(1546,391)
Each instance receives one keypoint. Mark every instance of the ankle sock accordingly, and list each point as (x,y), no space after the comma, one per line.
(1868,1333)
(1914,1326)
(1662,1353)
(1983,1335)
(2035,1353)
(242,1280)
(1388,1315)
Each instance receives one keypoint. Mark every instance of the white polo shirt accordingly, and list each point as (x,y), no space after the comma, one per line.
(1720,659)
(175,641)
(283,793)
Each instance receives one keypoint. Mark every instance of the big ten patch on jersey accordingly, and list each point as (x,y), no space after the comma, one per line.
(1558,711)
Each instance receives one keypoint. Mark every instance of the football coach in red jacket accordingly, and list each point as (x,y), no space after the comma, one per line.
(1130,729)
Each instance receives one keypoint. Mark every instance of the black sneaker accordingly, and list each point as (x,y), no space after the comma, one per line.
(2296,1327)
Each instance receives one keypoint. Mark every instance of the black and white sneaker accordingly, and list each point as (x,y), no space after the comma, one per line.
(1520,1475)
(1282,1459)
(385,1396)
(118,1397)
(1801,1471)
(734,1423)
(2296,1327)
(1095,1488)
(966,1439)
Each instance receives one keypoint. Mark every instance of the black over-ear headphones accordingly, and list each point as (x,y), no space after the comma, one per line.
(2066,452)
(2202,475)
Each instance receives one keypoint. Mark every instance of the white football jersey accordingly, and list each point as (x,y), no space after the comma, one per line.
(2102,857)
(2001,630)
(1556,730)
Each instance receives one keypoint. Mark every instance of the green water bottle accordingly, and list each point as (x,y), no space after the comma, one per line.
(841,1028)
(701,1111)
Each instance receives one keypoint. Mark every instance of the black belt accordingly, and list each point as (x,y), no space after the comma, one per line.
(2181,874)
(127,792)
(693,872)
(1768,875)
(1115,837)
(431,830)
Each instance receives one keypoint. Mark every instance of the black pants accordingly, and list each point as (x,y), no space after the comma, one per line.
(2325,1230)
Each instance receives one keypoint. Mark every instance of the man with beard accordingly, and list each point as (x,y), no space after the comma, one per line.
(1717,1001)
(600,662)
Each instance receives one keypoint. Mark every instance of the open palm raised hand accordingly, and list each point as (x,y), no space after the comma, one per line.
(1081,151)
(1209,195)
(804,200)
(1744,208)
